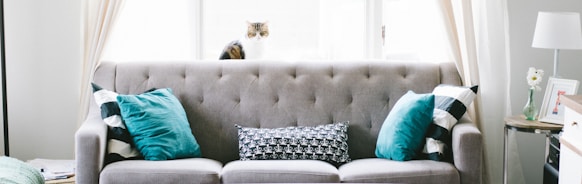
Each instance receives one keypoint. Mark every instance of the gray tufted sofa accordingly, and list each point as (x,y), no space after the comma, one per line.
(269,94)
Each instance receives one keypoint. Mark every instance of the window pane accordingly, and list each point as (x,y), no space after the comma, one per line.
(415,31)
(299,29)
(154,30)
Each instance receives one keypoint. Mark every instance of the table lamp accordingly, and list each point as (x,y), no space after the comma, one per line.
(557,30)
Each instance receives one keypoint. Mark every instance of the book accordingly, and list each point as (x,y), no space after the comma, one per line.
(54,169)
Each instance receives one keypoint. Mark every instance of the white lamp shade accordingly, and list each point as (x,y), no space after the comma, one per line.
(558,30)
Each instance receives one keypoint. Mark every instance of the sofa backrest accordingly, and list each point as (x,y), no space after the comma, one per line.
(267,94)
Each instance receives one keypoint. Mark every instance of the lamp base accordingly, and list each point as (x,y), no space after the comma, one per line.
(556,60)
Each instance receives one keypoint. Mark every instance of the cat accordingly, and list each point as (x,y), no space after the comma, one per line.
(251,45)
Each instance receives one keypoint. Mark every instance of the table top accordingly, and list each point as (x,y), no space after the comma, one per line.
(518,122)
(571,143)
(574,102)
(70,180)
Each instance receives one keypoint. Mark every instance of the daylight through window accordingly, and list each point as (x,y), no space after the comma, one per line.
(298,29)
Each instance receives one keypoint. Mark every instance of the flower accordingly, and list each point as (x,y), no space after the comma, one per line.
(534,77)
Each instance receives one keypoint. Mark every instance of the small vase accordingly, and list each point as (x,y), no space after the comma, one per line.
(529,110)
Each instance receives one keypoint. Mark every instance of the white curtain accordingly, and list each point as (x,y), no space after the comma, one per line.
(478,35)
(100,16)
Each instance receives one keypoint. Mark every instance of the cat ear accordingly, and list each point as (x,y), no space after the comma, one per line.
(248,23)
(266,22)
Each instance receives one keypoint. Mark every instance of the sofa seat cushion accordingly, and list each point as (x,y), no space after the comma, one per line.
(279,171)
(377,170)
(191,170)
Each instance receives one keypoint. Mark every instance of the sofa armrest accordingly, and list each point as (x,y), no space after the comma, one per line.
(90,144)
(467,146)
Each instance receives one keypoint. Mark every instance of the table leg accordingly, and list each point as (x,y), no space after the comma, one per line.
(547,149)
(505,145)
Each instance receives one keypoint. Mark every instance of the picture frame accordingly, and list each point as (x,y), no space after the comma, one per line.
(552,110)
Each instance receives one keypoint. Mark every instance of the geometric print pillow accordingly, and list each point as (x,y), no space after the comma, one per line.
(323,142)
(451,103)
(119,143)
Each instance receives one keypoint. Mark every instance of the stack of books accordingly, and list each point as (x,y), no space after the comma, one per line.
(54,169)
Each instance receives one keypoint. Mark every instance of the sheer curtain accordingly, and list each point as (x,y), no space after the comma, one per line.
(477,31)
(99,19)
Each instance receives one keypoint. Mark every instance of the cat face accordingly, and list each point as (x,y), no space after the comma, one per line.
(257,30)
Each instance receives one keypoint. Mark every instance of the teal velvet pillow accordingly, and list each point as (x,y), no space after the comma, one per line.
(402,134)
(157,122)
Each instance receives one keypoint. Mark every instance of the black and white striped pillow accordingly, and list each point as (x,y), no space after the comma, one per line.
(451,103)
(119,143)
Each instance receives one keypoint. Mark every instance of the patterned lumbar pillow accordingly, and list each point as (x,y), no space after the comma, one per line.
(324,142)
(451,103)
(119,143)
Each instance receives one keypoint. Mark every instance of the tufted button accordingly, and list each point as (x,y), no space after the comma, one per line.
(256,73)
(294,123)
(294,74)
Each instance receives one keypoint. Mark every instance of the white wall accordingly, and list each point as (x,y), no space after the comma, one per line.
(522,20)
(43,61)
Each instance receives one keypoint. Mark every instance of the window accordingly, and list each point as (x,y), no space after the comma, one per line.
(419,36)
(299,29)
(154,30)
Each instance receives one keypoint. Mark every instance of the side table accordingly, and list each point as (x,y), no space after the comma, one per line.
(70,180)
(518,123)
